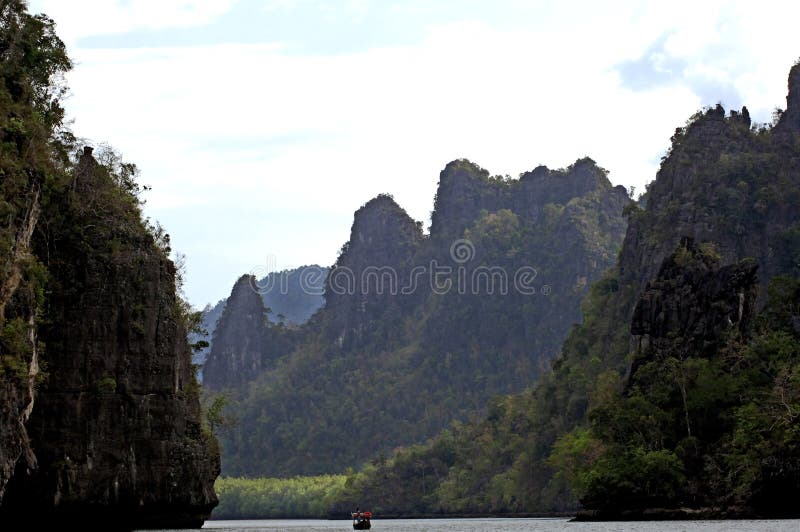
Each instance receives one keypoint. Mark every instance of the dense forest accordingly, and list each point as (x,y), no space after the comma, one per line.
(99,406)
(678,394)
(276,498)
(386,363)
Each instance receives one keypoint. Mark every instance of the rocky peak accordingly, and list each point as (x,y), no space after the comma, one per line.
(742,117)
(543,185)
(466,189)
(708,127)
(708,187)
(383,234)
(790,120)
(240,342)
(83,173)
(365,280)
(538,173)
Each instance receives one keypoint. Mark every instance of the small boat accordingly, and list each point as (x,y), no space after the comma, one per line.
(361,520)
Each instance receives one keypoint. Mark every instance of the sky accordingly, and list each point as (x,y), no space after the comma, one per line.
(261,126)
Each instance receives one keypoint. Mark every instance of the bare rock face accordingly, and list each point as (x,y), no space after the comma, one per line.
(115,428)
(790,120)
(465,190)
(241,342)
(19,346)
(693,303)
(365,282)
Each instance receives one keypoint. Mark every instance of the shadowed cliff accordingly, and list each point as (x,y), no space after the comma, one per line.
(100,422)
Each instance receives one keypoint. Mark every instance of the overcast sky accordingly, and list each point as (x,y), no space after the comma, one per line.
(263,125)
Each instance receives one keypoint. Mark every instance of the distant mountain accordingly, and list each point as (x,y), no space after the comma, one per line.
(292,296)
(418,330)
(678,395)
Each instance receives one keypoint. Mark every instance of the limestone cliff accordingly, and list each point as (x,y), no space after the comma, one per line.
(245,343)
(19,367)
(115,428)
(790,119)
(722,182)
(100,424)
(729,186)
(365,283)
(290,298)
(465,190)
(26,125)
(692,303)
(689,324)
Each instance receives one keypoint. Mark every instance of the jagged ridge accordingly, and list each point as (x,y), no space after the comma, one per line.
(380,366)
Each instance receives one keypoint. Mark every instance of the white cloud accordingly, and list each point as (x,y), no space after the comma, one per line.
(251,151)
(82,18)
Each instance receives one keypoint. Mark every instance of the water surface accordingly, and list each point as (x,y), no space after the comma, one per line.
(512,525)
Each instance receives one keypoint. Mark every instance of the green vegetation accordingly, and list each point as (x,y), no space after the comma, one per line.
(273,498)
(373,371)
(33,149)
(718,432)
(45,194)
(106,385)
(89,294)
(583,430)
(217,417)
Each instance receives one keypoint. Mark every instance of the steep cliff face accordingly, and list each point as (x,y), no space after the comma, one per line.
(290,298)
(561,227)
(367,281)
(684,384)
(99,410)
(29,113)
(694,300)
(790,119)
(116,425)
(723,183)
(19,347)
(465,190)
(244,343)
(726,183)
(419,330)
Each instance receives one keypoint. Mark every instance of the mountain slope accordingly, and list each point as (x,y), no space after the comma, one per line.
(733,188)
(417,330)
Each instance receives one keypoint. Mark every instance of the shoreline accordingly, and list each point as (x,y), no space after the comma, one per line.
(679,514)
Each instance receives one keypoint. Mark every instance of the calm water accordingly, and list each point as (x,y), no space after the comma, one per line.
(513,525)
